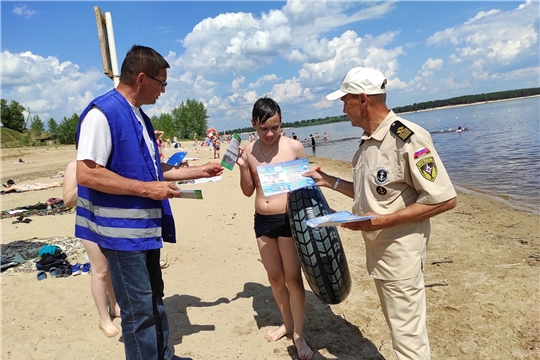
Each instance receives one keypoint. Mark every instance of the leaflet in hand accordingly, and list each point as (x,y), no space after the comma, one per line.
(335,219)
(283,177)
(191,194)
(231,155)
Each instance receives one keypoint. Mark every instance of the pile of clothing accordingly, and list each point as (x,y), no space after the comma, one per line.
(52,206)
(53,258)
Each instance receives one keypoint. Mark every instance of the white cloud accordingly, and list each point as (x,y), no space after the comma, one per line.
(23,11)
(291,91)
(241,43)
(494,36)
(237,82)
(49,88)
(424,80)
(451,84)
(454,59)
(263,79)
(396,84)
(430,66)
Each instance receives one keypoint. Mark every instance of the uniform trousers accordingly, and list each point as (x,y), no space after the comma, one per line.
(404,306)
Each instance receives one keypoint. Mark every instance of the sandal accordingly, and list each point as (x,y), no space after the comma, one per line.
(67,271)
(60,271)
(41,275)
(52,271)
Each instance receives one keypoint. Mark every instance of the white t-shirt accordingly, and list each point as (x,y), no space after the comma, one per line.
(95,142)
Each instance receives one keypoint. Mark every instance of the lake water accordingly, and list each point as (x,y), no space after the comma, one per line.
(498,156)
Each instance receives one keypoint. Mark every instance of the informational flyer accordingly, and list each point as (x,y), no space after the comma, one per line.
(231,155)
(191,194)
(283,177)
(336,218)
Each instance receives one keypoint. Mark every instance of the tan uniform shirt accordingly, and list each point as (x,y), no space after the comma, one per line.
(390,174)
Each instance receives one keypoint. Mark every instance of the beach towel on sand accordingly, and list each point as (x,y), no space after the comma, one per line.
(39,209)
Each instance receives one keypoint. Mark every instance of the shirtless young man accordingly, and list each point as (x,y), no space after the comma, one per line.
(272,228)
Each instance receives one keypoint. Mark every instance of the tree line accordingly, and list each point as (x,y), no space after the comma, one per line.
(187,119)
(469,99)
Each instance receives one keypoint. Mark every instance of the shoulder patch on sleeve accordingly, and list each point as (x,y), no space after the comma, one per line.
(402,132)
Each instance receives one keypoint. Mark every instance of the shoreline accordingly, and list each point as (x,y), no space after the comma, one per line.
(473,104)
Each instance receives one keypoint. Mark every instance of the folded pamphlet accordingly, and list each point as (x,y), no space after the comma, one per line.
(191,194)
(231,155)
(336,218)
(284,177)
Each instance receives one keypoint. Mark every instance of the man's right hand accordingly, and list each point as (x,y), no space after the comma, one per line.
(321,179)
(161,190)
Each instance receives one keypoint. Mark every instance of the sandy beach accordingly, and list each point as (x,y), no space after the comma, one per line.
(482,276)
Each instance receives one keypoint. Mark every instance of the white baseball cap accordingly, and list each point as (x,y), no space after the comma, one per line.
(360,80)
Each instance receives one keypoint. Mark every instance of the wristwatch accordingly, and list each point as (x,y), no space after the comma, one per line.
(336,184)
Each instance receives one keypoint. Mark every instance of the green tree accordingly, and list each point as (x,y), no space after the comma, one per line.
(190,118)
(164,123)
(67,129)
(37,126)
(12,115)
(53,127)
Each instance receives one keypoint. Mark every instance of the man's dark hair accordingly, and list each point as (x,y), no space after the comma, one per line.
(141,59)
(263,109)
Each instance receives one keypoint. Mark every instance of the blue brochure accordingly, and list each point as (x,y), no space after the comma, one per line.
(336,218)
(283,177)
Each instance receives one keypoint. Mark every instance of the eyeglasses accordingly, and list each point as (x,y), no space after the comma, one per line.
(162,83)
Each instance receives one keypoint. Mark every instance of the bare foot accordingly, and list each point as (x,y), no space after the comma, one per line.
(110,330)
(276,334)
(303,350)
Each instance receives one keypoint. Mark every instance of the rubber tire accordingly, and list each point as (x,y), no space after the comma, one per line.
(320,250)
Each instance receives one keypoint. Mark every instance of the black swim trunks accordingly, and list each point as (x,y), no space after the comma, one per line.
(272,226)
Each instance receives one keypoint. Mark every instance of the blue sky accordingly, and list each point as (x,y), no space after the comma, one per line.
(228,54)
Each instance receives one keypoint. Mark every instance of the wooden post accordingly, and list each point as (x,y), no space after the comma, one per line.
(103,42)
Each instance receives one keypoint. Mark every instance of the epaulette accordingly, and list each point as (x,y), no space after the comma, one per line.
(402,132)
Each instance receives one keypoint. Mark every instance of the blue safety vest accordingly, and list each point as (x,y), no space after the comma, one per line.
(124,222)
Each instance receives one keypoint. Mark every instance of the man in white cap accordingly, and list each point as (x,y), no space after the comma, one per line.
(398,177)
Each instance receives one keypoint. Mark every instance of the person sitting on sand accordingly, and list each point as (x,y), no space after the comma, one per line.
(12,187)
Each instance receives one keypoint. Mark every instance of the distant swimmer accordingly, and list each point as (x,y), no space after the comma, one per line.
(325,137)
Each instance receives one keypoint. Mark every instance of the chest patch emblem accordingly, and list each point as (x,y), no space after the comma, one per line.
(381,190)
(427,168)
(382,176)
(421,152)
